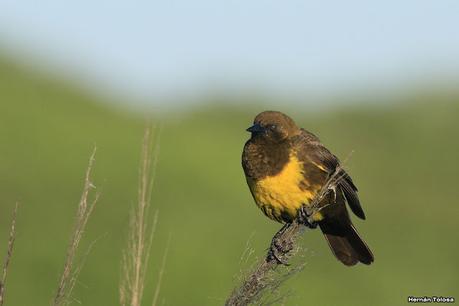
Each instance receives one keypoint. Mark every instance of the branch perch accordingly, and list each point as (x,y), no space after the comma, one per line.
(281,250)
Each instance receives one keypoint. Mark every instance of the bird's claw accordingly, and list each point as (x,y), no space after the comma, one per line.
(305,217)
(279,248)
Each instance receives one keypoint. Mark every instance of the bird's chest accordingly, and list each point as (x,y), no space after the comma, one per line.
(282,193)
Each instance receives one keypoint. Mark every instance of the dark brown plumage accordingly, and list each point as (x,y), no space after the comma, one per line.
(285,167)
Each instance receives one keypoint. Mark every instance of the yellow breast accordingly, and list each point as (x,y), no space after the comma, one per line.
(281,195)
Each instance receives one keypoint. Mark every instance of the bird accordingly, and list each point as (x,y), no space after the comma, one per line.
(286,167)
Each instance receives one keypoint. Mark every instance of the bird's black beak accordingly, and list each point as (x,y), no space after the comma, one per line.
(256,128)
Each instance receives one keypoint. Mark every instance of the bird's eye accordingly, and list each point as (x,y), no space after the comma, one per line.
(273,127)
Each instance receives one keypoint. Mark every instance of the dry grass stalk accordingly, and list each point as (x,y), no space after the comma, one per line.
(9,254)
(161,273)
(70,273)
(261,277)
(136,255)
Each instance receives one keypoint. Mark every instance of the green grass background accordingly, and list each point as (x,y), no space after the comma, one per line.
(404,162)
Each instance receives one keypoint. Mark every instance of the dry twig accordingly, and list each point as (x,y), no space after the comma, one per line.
(261,277)
(137,252)
(9,254)
(70,273)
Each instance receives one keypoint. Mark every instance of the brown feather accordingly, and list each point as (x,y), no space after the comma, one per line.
(346,244)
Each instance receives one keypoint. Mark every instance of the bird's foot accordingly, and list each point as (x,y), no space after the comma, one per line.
(305,217)
(280,247)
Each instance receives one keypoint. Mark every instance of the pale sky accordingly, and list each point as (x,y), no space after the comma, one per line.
(173,48)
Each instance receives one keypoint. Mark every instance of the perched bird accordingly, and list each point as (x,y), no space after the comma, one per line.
(286,166)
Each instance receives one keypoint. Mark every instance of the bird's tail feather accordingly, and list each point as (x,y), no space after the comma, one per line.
(346,244)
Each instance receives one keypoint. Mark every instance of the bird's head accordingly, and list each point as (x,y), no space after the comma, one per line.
(273,127)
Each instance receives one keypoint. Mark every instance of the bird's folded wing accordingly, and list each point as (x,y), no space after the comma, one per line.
(328,162)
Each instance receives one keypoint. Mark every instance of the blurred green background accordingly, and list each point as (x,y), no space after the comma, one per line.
(404,162)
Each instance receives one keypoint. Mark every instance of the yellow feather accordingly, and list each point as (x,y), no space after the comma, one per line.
(281,193)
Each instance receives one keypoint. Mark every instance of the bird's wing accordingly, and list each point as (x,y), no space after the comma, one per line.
(316,152)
